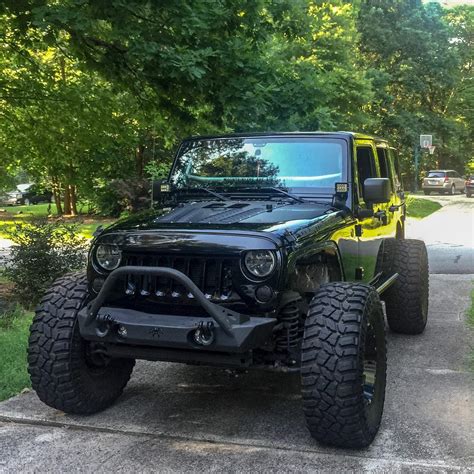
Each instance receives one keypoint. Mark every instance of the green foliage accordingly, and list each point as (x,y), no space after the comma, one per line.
(157,170)
(420,60)
(10,315)
(99,91)
(43,252)
(14,330)
(123,195)
(419,208)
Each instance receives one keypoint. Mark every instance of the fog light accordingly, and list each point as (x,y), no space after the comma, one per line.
(122,331)
(264,294)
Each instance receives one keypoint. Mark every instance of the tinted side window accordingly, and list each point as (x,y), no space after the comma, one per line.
(395,166)
(383,163)
(365,166)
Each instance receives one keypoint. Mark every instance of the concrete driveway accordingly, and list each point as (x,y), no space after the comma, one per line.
(178,418)
(448,234)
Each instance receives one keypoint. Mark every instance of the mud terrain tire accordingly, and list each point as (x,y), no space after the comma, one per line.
(344,326)
(61,372)
(407,299)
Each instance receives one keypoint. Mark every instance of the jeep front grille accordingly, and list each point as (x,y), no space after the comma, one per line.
(213,276)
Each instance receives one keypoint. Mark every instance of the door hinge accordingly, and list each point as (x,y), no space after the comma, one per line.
(359,273)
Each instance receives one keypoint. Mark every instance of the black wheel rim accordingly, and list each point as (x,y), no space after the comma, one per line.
(96,358)
(369,373)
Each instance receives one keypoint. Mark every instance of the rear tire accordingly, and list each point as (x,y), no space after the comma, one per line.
(427,193)
(63,371)
(453,190)
(407,299)
(343,365)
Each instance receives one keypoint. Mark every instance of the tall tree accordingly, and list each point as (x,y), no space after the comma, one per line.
(416,62)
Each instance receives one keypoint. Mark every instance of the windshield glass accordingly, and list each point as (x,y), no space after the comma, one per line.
(296,163)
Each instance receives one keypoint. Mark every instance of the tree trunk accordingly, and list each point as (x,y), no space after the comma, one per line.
(57,196)
(67,200)
(73,199)
(139,159)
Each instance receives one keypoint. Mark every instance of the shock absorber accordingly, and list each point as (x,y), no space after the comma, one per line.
(288,335)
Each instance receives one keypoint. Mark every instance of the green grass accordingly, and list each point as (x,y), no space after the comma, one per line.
(14,328)
(18,214)
(86,230)
(420,208)
(38,210)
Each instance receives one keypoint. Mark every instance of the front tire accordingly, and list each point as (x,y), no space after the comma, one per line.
(427,193)
(343,365)
(64,371)
(407,299)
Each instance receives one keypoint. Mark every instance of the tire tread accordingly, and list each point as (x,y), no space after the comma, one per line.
(54,355)
(331,367)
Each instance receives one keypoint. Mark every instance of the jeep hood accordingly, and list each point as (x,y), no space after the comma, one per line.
(273,221)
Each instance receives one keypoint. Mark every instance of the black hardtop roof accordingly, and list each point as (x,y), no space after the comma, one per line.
(353,135)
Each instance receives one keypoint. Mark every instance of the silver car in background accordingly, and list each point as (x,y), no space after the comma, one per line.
(443,182)
(11,198)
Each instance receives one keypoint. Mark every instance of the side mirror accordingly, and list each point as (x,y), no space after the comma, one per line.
(377,190)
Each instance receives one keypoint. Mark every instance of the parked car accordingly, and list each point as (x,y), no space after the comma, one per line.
(469,185)
(34,195)
(443,182)
(264,251)
(10,198)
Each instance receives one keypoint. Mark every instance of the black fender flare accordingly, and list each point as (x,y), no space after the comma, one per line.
(322,252)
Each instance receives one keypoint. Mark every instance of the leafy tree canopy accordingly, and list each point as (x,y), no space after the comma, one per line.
(93,91)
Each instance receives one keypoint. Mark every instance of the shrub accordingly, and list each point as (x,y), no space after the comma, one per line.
(9,315)
(123,196)
(43,252)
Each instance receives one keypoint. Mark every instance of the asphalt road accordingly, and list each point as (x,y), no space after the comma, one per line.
(176,418)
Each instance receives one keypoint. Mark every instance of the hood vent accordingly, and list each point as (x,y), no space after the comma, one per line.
(213,212)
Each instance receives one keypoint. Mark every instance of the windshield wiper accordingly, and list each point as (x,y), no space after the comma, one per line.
(261,190)
(285,193)
(214,193)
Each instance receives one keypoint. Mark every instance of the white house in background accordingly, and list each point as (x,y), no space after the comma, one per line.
(23,187)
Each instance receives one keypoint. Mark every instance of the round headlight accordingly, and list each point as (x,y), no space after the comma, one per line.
(260,263)
(108,256)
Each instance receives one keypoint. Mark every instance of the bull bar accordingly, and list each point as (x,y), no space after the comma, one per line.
(221,330)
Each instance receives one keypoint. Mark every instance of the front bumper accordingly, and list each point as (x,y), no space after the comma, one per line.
(436,187)
(221,330)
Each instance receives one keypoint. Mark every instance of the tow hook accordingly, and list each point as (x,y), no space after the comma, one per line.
(204,333)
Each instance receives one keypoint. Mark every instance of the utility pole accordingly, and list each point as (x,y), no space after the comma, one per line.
(416,153)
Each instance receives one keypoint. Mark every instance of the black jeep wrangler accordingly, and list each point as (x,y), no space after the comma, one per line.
(279,251)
